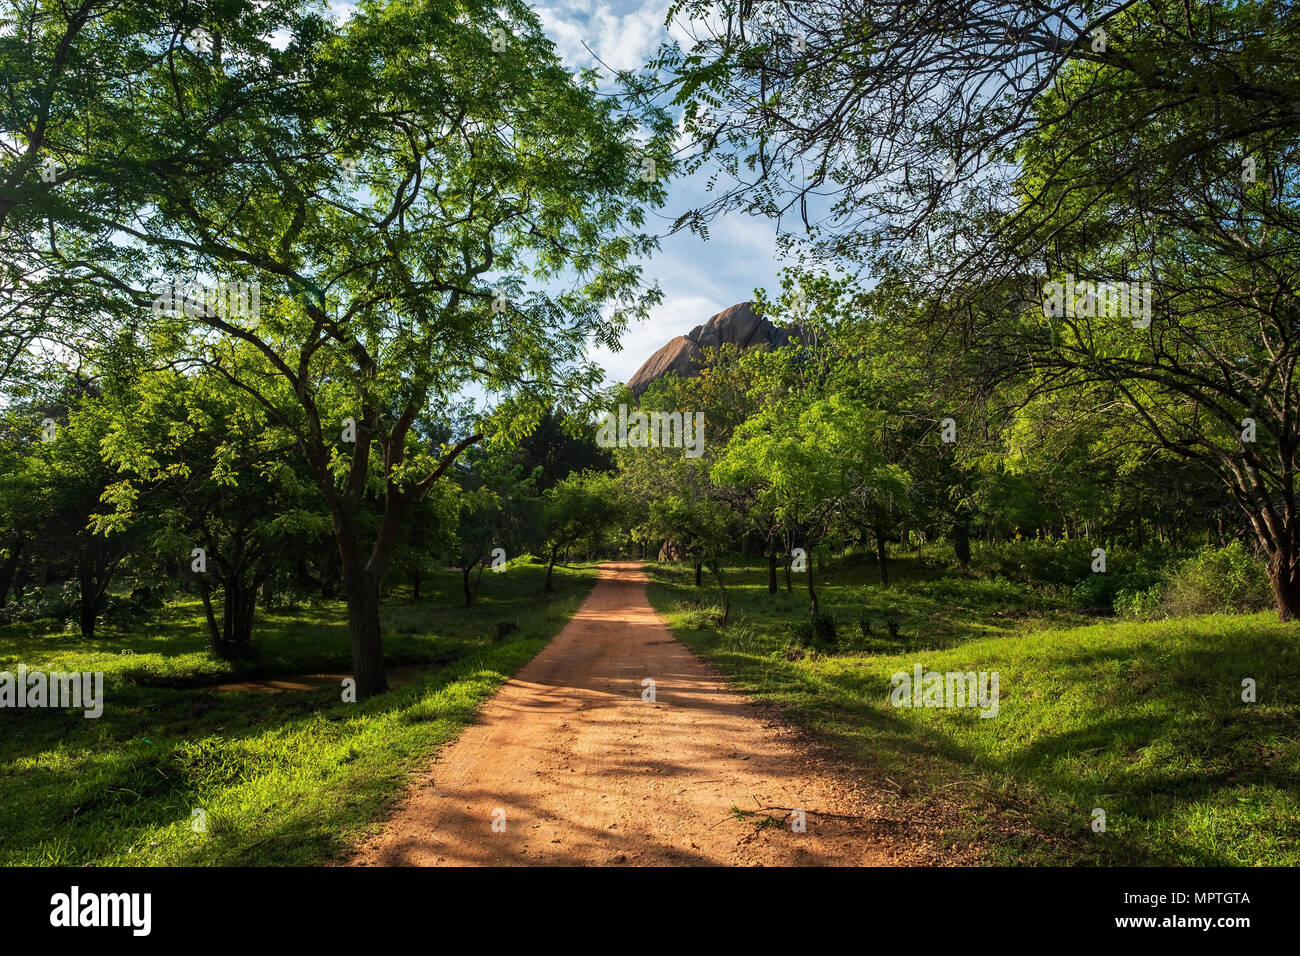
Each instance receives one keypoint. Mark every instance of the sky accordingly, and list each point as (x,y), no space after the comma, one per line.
(698,278)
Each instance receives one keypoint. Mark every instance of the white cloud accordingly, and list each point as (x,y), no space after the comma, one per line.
(675,316)
(620,40)
(341,10)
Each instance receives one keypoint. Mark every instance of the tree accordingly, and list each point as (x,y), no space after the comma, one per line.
(498,514)
(477,169)
(581,506)
(70,476)
(810,452)
(975,151)
(196,459)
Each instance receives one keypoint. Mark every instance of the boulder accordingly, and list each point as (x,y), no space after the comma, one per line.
(739,325)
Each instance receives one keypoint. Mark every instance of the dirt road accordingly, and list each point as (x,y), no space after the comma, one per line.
(576,768)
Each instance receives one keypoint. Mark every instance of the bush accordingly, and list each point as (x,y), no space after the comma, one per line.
(1139,602)
(37,606)
(1101,592)
(824,628)
(817,632)
(697,616)
(1067,564)
(1058,561)
(801,633)
(1218,579)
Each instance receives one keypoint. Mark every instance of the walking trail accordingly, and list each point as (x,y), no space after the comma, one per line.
(581,770)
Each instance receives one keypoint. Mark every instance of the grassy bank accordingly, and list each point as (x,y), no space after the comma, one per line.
(1144,720)
(292,778)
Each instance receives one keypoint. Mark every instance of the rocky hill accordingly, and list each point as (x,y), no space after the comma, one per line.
(739,325)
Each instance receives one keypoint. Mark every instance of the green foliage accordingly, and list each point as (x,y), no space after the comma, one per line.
(818,632)
(1228,579)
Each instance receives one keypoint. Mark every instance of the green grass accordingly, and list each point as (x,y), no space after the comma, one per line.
(1144,720)
(292,778)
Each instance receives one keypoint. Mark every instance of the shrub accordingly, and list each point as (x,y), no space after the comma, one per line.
(1058,561)
(1139,602)
(1218,579)
(818,632)
(824,629)
(1100,593)
(699,617)
(802,633)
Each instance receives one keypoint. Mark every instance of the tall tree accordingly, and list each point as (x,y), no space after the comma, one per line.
(429,202)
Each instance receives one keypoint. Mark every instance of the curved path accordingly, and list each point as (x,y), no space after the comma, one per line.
(576,768)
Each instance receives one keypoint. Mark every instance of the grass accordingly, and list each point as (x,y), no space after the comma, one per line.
(293,778)
(1144,720)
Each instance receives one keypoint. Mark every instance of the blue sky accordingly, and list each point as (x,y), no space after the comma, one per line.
(698,278)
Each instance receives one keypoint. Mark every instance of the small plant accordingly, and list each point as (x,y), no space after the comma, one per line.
(760,821)
(802,633)
(864,627)
(1139,603)
(739,637)
(818,632)
(823,626)
(503,629)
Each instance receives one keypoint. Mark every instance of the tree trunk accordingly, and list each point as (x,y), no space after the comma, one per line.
(464,580)
(241,623)
(415,583)
(363,626)
(716,568)
(214,632)
(89,596)
(8,568)
(478,579)
(882,556)
(771,567)
(230,608)
(812,593)
(698,575)
(87,618)
(549,568)
(1284,572)
(961,542)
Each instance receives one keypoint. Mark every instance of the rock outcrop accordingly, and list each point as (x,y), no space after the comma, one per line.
(739,325)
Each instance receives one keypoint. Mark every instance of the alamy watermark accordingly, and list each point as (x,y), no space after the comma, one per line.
(652,429)
(75,908)
(1089,299)
(924,688)
(84,690)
